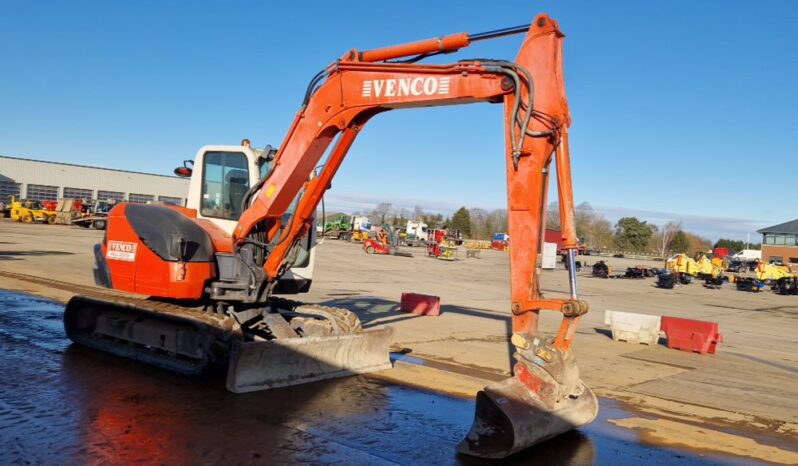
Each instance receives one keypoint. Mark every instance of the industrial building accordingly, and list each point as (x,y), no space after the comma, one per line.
(41,180)
(780,244)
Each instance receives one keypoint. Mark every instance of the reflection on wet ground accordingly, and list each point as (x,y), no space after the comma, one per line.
(63,404)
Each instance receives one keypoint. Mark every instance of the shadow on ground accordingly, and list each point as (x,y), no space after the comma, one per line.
(35,253)
(371,309)
(608,333)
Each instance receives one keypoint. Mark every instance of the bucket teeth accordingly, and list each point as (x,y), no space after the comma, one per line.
(543,399)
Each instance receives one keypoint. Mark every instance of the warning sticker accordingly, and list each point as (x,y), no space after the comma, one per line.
(121,251)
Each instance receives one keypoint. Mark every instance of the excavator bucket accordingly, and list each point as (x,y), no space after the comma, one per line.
(510,418)
(543,399)
(291,361)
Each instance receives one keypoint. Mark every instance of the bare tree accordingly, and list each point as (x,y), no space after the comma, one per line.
(601,234)
(553,216)
(498,221)
(584,218)
(418,213)
(479,228)
(381,213)
(666,237)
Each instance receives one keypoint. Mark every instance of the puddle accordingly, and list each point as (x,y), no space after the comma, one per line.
(64,404)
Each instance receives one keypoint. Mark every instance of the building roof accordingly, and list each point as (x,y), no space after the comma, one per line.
(87,166)
(789,227)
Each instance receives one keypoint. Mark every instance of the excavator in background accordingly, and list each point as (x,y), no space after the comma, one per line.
(213,270)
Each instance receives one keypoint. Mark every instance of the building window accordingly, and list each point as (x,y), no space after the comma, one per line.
(78,193)
(789,240)
(141,198)
(775,260)
(8,189)
(110,196)
(770,238)
(225,183)
(39,192)
(793,260)
(170,200)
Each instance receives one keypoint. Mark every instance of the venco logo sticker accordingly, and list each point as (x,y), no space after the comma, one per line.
(121,251)
(406,87)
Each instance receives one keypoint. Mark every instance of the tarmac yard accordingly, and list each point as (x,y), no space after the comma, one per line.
(60,403)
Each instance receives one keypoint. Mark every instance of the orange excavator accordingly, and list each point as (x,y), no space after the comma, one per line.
(212,270)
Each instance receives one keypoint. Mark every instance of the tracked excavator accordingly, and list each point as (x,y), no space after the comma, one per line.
(212,272)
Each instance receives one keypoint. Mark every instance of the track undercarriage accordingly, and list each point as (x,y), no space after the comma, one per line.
(281,344)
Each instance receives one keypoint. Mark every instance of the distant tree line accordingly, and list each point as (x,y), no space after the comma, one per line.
(736,245)
(592,228)
(629,233)
(475,223)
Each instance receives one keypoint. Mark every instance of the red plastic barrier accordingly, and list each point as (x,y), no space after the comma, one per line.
(698,336)
(498,245)
(421,304)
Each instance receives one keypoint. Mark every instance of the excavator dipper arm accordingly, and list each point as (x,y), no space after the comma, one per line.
(545,397)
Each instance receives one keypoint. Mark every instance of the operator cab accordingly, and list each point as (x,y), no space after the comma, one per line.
(221,176)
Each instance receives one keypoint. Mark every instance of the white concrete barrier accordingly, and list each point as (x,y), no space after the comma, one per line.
(633,328)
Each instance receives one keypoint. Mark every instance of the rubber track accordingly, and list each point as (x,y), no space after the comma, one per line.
(346,319)
(195,313)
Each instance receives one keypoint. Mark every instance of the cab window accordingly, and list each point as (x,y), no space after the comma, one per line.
(225,182)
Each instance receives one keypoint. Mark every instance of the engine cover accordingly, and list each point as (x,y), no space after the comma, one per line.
(157,251)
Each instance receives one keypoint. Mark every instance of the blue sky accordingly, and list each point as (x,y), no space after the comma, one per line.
(682,110)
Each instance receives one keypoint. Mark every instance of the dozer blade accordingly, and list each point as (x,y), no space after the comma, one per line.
(279,363)
(509,418)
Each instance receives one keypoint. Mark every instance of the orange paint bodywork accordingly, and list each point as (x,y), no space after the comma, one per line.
(448,43)
(143,272)
(222,242)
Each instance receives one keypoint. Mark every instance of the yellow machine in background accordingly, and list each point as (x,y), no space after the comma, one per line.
(30,211)
(476,244)
(772,272)
(681,263)
(448,248)
(708,268)
(358,236)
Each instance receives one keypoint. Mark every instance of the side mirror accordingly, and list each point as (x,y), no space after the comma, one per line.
(185,171)
(266,155)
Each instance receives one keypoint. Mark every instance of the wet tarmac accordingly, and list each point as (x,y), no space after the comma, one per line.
(63,404)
